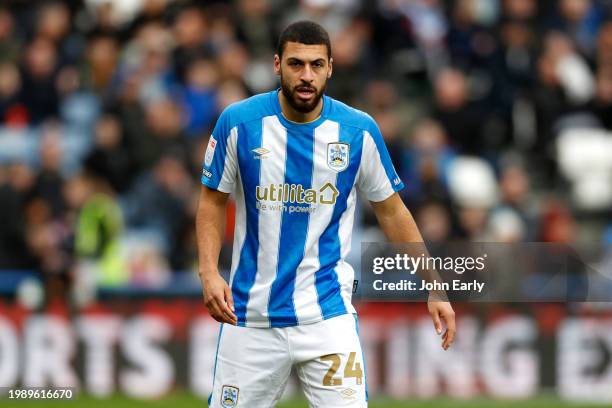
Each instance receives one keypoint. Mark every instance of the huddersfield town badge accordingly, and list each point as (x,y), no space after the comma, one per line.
(229,396)
(338,156)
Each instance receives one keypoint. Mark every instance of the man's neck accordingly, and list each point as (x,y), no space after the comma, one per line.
(299,117)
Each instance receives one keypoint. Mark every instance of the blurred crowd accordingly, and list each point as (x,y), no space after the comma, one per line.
(497,115)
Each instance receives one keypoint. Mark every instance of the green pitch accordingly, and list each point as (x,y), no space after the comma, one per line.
(183,400)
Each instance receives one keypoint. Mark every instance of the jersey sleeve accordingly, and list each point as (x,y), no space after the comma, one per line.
(377,178)
(219,169)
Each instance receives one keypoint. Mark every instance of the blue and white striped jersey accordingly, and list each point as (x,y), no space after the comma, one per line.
(295,189)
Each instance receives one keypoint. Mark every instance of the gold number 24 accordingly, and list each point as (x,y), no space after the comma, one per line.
(351,369)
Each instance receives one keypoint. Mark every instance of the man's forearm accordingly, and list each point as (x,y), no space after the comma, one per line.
(210,227)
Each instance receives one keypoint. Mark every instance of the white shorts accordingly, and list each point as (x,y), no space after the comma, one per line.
(253,364)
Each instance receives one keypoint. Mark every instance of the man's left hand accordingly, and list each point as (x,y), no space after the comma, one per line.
(442,311)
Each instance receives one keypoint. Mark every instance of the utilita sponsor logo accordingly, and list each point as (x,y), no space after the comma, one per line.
(297,194)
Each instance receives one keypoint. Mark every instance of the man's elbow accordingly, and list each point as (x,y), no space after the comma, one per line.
(215,198)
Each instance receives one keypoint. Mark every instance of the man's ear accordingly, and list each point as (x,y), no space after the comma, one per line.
(277,64)
(331,67)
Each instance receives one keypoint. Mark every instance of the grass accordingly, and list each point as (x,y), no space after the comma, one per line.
(184,400)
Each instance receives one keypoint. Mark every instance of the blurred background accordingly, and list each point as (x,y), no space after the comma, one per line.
(497,115)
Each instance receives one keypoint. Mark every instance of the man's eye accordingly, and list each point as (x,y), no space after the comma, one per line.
(318,64)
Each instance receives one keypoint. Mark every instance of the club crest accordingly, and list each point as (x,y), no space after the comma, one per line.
(229,396)
(338,156)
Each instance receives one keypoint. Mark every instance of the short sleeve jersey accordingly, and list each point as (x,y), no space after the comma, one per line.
(295,186)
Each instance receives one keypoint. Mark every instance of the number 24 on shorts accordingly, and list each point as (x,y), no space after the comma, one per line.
(351,369)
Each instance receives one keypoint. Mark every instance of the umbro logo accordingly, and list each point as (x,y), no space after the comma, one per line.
(348,393)
(260,153)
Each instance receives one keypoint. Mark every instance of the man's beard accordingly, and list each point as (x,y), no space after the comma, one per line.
(295,102)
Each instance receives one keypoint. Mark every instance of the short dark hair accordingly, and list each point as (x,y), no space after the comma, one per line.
(304,32)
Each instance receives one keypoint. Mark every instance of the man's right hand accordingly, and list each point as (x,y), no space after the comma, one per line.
(218,299)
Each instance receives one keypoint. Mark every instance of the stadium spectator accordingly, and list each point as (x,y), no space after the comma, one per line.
(462,120)
(160,200)
(49,179)
(199,96)
(435,221)
(12,112)
(426,162)
(110,157)
(98,231)
(14,252)
(10,44)
(39,93)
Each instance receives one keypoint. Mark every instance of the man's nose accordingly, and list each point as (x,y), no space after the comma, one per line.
(307,74)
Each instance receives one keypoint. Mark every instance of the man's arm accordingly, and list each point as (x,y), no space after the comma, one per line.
(399,227)
(210,225)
